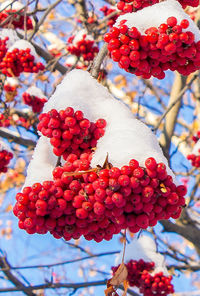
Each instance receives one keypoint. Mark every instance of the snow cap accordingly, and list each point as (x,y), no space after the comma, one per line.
(155,15)
(79,36)
(35,91)
(12,81)
(11,34)
(9,4)
(24,44)
(143,248)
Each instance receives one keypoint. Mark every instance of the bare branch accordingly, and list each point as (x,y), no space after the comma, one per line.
(171,114)
(13,137)
(5,265)
(98,61)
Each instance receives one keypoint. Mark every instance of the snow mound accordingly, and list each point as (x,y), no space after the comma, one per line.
(155,15)
(12,81)
(143,248)
(9,4)
(11,34)
(42,164)
(4,146)
(35,91)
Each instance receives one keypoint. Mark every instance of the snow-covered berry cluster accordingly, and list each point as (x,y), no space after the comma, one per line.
(128,6)
(94,202)
(83,45)
(11,17)
(167,47)
(194,157)
(35,102)
(69,131)
(140,276)
(5,157)
(17,61)
(10,88)
(107,11)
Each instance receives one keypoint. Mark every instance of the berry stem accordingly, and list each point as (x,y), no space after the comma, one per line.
(124,246)
(58,163)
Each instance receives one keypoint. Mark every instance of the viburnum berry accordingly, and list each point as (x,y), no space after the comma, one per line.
(84,46)
(155,51)
(140,275)
(11,18)
(71,132)
(35,102)
(5,157)
(128,6)
(107,11)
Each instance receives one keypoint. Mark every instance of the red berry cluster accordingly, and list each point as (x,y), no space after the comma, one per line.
(14,119)
(160,49)
(139,275)
(36,103)
(98,203)
(16,20)
(69,131)
(195,158)
(128,6)
(3,48)
(84,47)
(10,88)
(197,137)
(18,61)
(107,11)
(5,157)
(4,121)
(94,202)
(193,3)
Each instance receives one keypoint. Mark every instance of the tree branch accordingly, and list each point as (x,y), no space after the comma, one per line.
(171,114)
(75,286)
(188,231)
(13,137)
(5,265)
(68,261)
(98,61)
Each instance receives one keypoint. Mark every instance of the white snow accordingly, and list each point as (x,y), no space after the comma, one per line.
(35,91)
(196,148)
(155,15)
(143,248)
(11,34)
(71,61)
(10,4)
(12,81)
(24,44)
(42,163)
(4,146)
(125,137)
(79,36)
